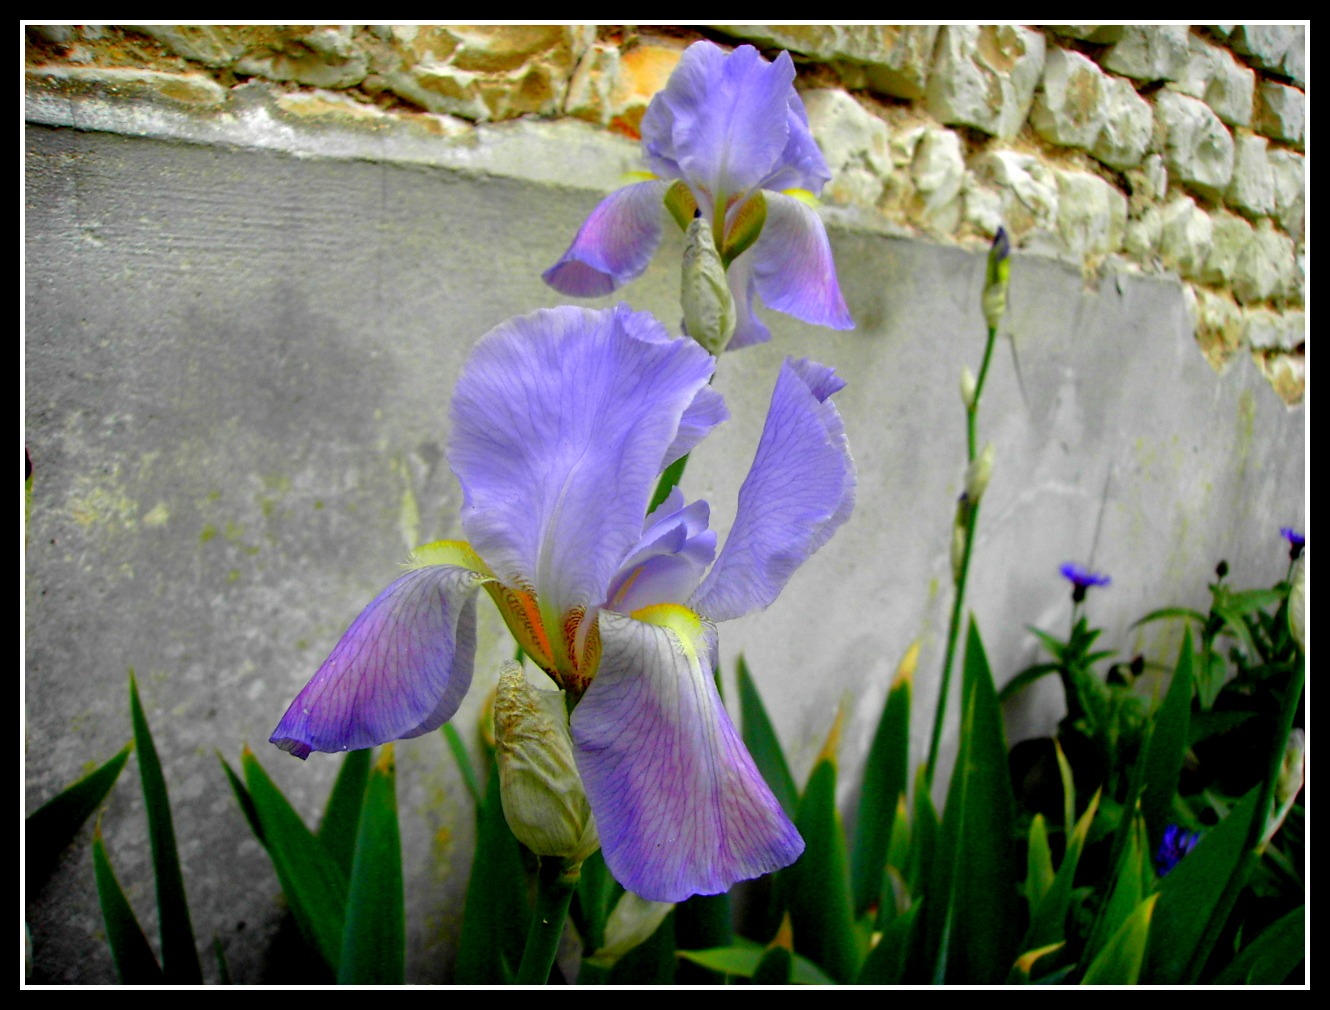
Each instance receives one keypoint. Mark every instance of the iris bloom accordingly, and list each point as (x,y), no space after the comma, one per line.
(562,422)
(727,138)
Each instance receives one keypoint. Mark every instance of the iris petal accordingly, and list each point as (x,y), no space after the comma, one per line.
(799,491)
(560,421)
(721,121)
(614,245)
(749,329)
(401,669)
(792,265)
(681,808)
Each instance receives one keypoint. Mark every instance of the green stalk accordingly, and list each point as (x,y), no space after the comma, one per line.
(554,892)
(958,604)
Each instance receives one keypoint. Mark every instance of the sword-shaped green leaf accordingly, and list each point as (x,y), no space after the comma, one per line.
(497,911)
(820,882)
(885,778)
(50,828)
(374,943)
(760,737)
(134,962)
(1167,747)
(313,881)
(1119,963)
(341,819)
(180,958)
(1272,956)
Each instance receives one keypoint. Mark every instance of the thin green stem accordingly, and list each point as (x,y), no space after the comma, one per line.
(553,895)
(958,604)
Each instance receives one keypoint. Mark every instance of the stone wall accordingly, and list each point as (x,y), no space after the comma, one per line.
(1152,148)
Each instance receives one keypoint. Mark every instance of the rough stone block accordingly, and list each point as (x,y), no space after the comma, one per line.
(1185,236)
(855,143)
(1290,179)
(321,56)
(1281,112)
(1066,107)
(1252,190)
(483,72)
(891,59)
(1149,52)
(643,71)
(1100,34)
(1231,90)
(1265,267)
(1215,77)
(1278,48)
(1220,326)
(1027,188)
(212,45)
(1229,234)
(1092,215)
(1283,331)
(1128,122)
(130,83)
(1141,238)
(592,85)
(1197,147)
(985,76)
(1287,374)
(938,171)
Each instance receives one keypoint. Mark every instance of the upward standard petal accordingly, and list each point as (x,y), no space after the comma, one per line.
(614,245)
(401,669)
(681,808)
(561,421)
(798,492)
(721,122)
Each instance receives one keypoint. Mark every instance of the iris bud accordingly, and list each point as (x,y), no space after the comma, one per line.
(708,306)
(969,385)
(977,475)
(543,799)
(995,279)
(1292,771)
(1297,604)
(631,924)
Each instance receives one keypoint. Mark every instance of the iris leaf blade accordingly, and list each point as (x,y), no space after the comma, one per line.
(374,944)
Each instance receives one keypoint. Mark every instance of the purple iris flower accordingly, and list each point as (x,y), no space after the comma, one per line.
(731,127)
(562,422)
(1082,578)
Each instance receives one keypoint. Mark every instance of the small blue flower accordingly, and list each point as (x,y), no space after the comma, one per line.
(1176,844)
(1296,541)
(1081,579)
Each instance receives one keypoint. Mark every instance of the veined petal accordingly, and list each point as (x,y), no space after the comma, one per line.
(681,807)
(801,164)
(721,121)
(793,268)
(799,491)
(750,329)
(614,245)
(705,412)
(401,670)
(560,421)
(669,561)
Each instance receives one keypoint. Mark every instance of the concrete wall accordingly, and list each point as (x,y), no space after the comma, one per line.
(242,329)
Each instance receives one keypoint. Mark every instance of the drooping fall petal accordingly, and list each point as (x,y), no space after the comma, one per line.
(614,245)
(681,807)
(799,491)
(792,265)
(401,670)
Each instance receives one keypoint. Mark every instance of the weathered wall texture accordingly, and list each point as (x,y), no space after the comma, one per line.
(257,258)
(1158,147)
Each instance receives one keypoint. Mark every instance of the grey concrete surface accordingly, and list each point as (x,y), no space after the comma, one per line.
(238,362)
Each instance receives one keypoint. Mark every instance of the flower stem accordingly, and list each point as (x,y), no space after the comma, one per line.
(958,604)
(557,883)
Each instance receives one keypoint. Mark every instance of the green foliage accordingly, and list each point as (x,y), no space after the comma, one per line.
(50,829)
